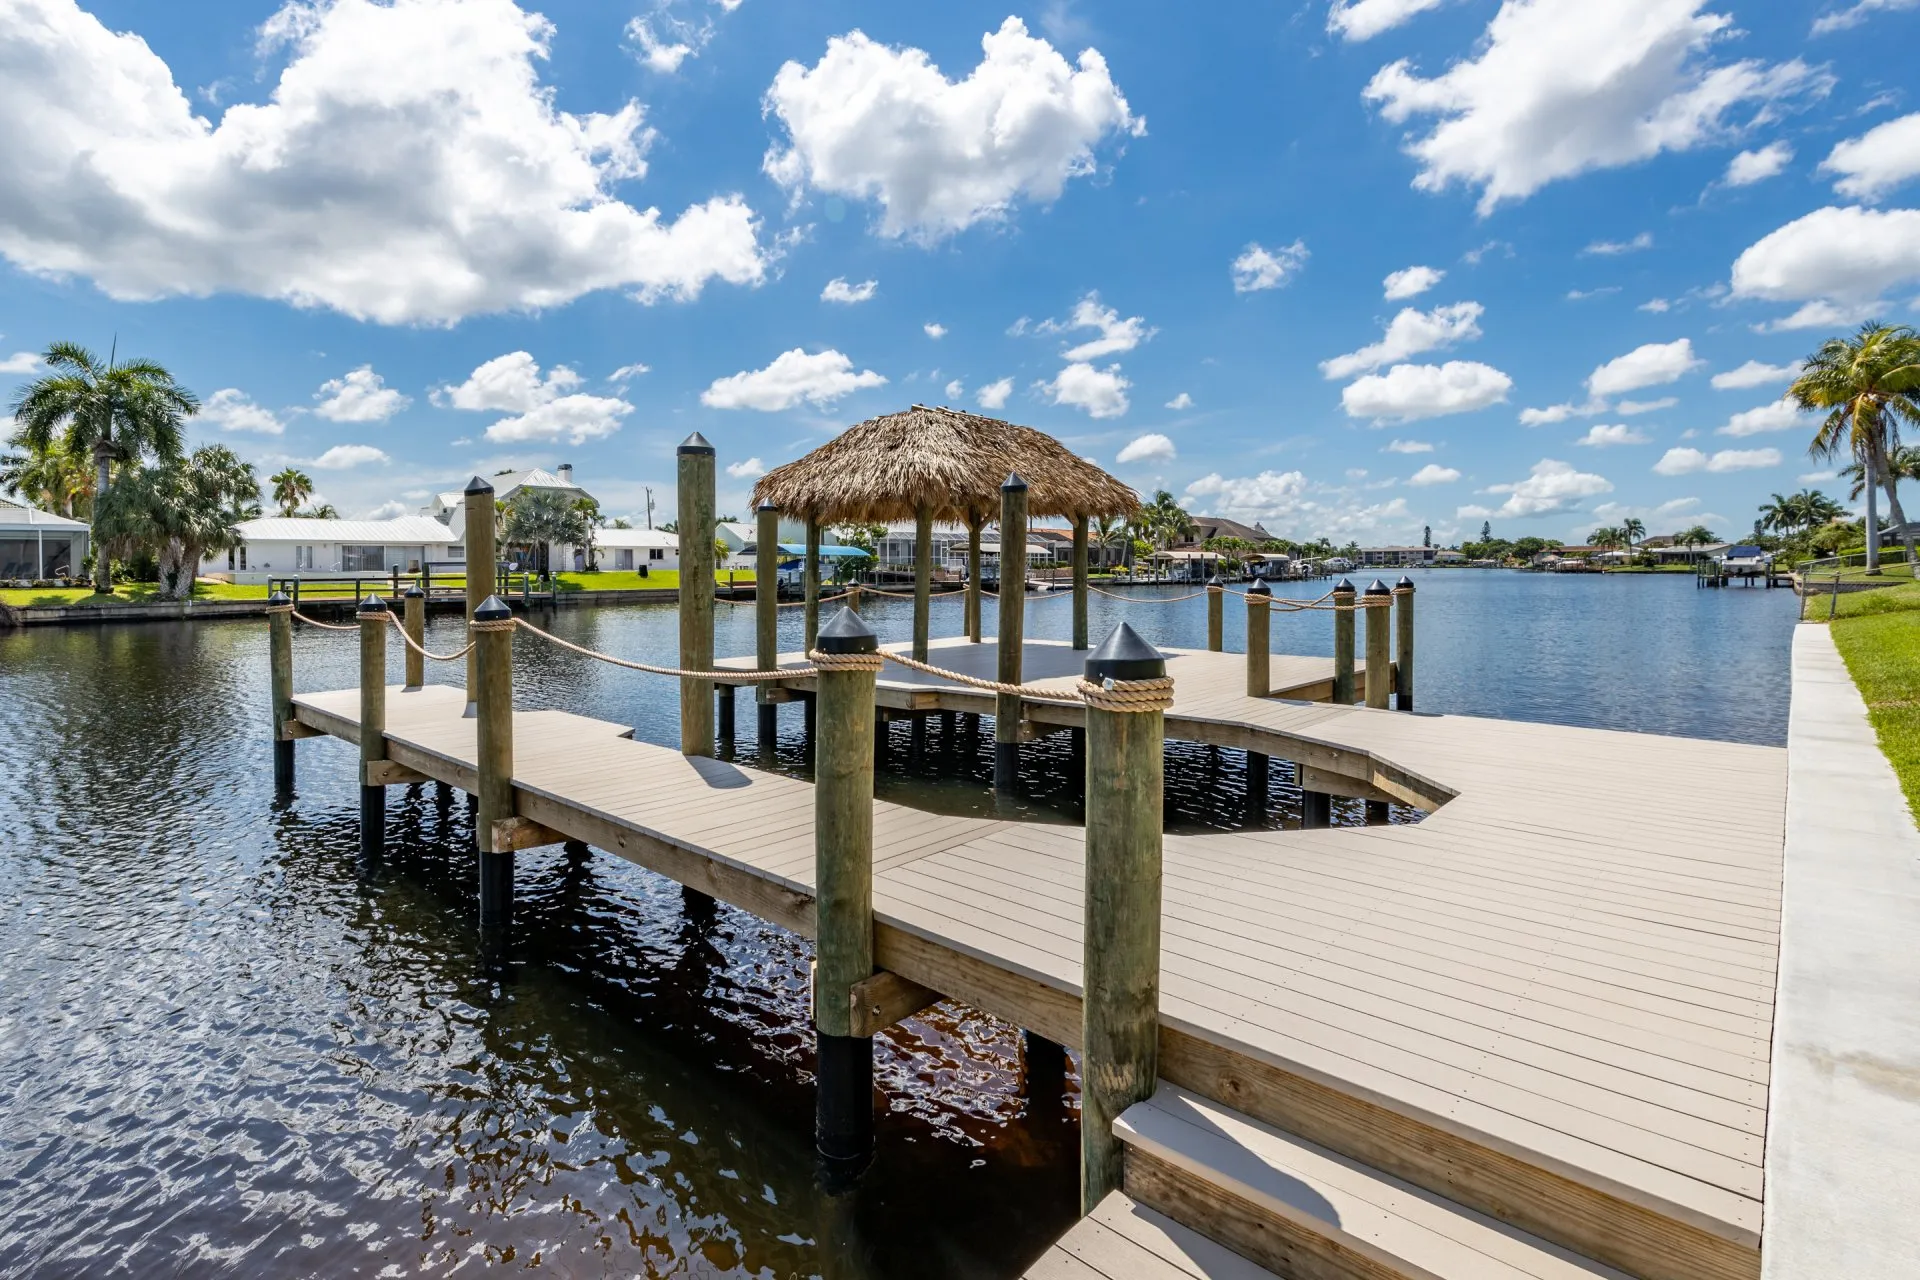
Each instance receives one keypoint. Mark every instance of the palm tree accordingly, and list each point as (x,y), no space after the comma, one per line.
(325,511)
(1867,384)
(1780,513)
(56,476)
(1606,538)
(1108,532)
(1696,536)
(291,487)
(182,511)
(119,413)
(1631,531)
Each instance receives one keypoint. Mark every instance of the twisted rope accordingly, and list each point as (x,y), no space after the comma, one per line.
(1129,695)
(428,653)
(493,624)
(784,604)
(324,626)
(844,661)
(740,677)
(1149,599)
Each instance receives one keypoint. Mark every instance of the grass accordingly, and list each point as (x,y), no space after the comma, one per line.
(1861,604)
(630,580)
(125,594)
(1882,651)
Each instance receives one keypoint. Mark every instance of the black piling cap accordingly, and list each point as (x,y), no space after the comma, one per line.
(279,598)
(846,632)
(1343,585)
(1260,588)
(1379,588)
(372,604)
(492,609)
(1123,655)
(478,485)
(766,506)
(1013,481)
(1405,583)
(695,443)
(1214,581)
(414,593)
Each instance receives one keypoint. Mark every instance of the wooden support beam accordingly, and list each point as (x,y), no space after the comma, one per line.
(388,773)
(291,730)
(510,834)
(884,999)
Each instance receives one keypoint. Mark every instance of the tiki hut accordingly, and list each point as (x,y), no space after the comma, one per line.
(930,464)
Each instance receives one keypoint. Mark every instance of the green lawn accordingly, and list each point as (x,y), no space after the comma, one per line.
(1862,604)
(630,580)
(124,594)
(1882,651)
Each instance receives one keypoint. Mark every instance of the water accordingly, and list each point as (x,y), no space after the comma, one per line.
(223,1051)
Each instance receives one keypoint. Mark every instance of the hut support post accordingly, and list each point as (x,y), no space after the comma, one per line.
(1259,639)
(922,580)
(477,517)
(810,584)
(1379,647)
(1080,582)
(492,633)
(1011,638)
(1343,643)
(280,660)
(1403,643)
(414,620)
(1216,614)
(1120,1012)
(695,456)
(373,724)
(973,576)
(843,879)
(766,618)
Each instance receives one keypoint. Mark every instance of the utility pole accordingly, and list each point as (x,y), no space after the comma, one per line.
(649,489)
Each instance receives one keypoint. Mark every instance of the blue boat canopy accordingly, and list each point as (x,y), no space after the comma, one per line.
(795,549)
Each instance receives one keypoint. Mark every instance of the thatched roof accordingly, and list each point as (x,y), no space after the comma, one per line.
(886,468)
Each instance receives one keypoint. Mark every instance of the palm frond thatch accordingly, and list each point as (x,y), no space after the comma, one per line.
(950,462)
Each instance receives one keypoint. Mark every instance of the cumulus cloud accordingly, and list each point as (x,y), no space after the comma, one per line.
(1650,365)
(934,330)
(230,409)
(869,122)
(746,469)
(671,33)
(838,290)
(1408,392)
(1878,160)
(1102,393)
(1841,258)
(1408,446)
(1820,314)
(955,389)
(627,372)
(1754,374)
(1780,415)
(1632,408)
(1433,473)
(994,394)
(1409,334)
(361,396)
(407,166)
(1411,282)
(511,383)
(1152,447)
(1554,90)
(1605,437)
(1684,461)
(1260,268)
(1552,486)
(1614,248)
(1181,401)
(20,362)
(1268,491)
(1116,334)
(1365,19)
(344,456)
(793,377)
(1758,165)
(579,418)
(1555,413)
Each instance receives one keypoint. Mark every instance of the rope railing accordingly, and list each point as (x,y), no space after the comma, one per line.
(736,676)
(428,653)
(785,604)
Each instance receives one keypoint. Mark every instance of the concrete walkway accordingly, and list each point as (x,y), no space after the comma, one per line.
(1843,1145)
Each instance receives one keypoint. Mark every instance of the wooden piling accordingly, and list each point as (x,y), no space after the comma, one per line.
(922,580)
(695,514)
(1377,813)
(413,620)
(1259,777)
(810,584)
(491,630)
(1080,592)
(1316,810)
(1403,644)
(973,576)
(1120,1010)
(1259,640)
(723,712)
(1216,614)
(280,661)
(478,535)
(1379,644)
(843,884)
(373,724)
(1010,637)
(766,618)
(1343,597)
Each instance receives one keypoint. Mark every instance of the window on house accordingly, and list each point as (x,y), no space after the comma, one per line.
(243,555)
(363,559)
(656,553)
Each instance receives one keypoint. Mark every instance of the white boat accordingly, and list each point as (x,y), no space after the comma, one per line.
(1743,560)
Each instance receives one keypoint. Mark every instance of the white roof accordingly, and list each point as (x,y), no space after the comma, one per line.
(534,478)
(607,538)
(400,531)
(18,515)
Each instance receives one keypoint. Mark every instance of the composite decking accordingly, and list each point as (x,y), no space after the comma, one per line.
(1550,999)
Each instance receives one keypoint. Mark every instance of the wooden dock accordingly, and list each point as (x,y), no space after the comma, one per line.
(1526,1036)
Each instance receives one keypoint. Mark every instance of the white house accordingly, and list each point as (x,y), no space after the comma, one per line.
(39,544)
(450,508)
(278,547)
(629,550)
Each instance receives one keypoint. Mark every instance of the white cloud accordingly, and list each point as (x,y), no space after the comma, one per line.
(994,394)
(1365,19)
(1817,477)
(1855,14)
(794,376)
(408,166)
(1260,268)
(627,373)
(230,409)
(1116,334)
(1181,401)
(20,362)
(1684,461)
(1656,306)
(1754,374)
(1581,295)
(1780,415)
(838,290)
(1411,282)
(1408,392)
(1832,255)
(746,469)
(1102,393)
(1150,447)
(1758,165)
(872,122)
(343,456)
(1408,334)
(1605,437)
(1820,314)
(1552,486)
(1614,248)
(1408,446)
(934,330)
(1878,160)
(1651,365)
(1632,408)
(1555,413)
(1558,89)
(1268,491)
(392,509)
(361,396)
(954,389)
(669,35)
(1433,473)
(511,384)
(579,418)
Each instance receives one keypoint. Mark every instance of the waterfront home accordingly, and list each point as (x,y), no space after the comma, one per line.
(1395,557)
(281,546)
(1665,549)
(37,545)
(450,508)
(632,550)
(1449,557)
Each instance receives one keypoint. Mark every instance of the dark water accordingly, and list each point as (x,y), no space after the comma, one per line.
(223,1050)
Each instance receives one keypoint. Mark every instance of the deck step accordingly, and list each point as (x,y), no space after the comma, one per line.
(1306,1213)
(1122,1239)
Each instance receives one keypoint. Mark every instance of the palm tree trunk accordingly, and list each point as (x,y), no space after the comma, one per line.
(1892,483)
(1871,476)
(102,567)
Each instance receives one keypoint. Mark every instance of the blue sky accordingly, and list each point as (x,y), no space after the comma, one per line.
(400,243)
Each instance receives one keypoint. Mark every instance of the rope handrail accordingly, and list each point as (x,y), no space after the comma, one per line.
(428,653)
(744,677)
(784,604)
(315,622)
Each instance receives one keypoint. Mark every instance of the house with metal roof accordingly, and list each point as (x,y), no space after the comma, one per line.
(278,546)
(36,545)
